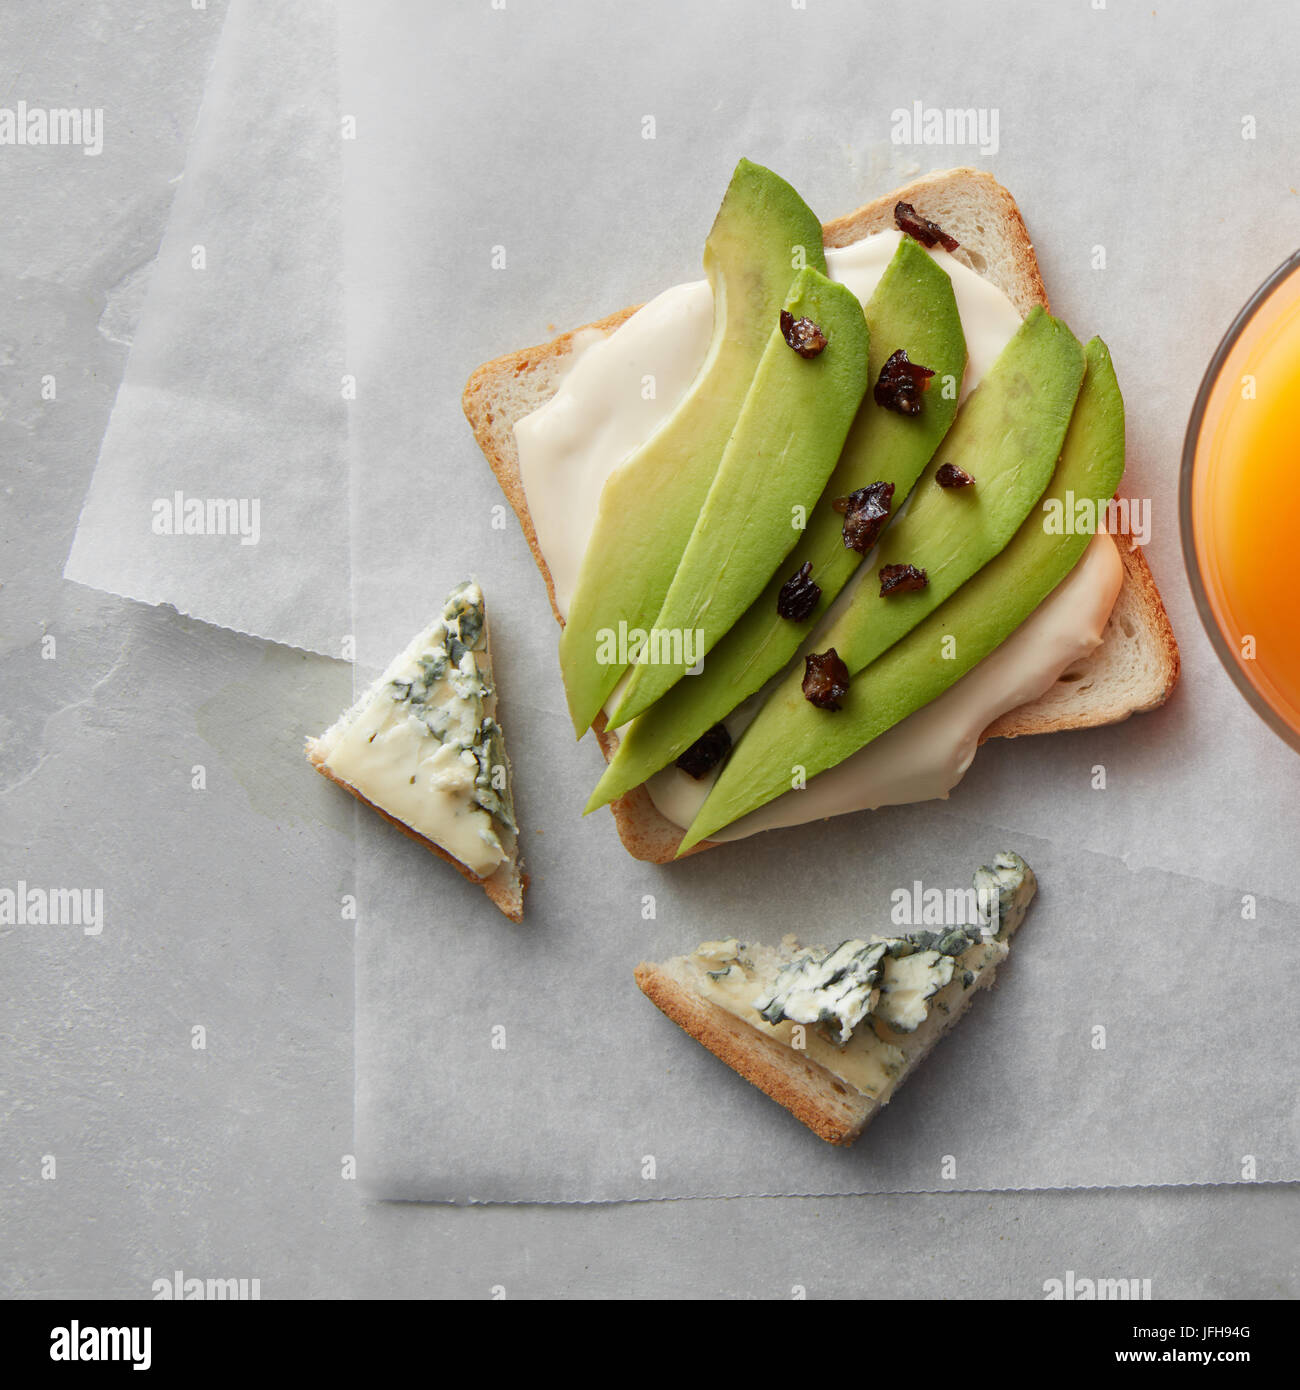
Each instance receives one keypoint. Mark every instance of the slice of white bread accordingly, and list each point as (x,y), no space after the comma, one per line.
(829,1106)
(1137,663)
(506,883)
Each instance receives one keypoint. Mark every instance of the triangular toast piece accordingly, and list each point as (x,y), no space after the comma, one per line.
(422,746)
(1137,664)
(904,992)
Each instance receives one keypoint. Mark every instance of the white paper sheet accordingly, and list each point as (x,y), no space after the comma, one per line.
(522,128)
(234,390)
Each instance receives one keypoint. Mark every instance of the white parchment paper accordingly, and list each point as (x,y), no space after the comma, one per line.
(234,390)
(1138,1034)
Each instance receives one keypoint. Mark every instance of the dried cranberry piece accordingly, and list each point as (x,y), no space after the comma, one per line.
(825,679)
(949,475)
(901,383)
(921,228)
(865,512)
(799,595)
(706,752)
(901,579)
(803,335)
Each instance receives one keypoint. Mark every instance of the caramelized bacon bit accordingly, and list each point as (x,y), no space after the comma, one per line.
(706,752)
(803,335)
(949,475)
(825,679)
(921,228)
(901,383)
(901,579)
(799,595)
(865,512)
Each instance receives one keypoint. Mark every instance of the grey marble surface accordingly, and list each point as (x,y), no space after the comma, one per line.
(228,1160)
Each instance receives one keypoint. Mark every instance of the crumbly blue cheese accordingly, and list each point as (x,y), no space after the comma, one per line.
(886,977)
(736,978)
(863,1009)
(722,960)
(423,743)
(1004,889)
(907,984)
(837,988)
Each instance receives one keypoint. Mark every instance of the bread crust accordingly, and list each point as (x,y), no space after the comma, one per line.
(1026,288)
(644,831)
(1035,718)
(761,1060)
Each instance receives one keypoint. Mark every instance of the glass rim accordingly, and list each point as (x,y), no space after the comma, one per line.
(1191,443)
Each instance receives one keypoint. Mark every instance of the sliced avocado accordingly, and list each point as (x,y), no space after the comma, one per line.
(648,506)
(913,308)
(790,432)
(1007,436)
(789,732)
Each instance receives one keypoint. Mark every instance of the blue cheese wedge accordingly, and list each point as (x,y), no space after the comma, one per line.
(423,745)
(863,1013)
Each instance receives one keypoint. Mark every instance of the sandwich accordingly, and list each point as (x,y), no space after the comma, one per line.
(423,747)
(819,526)
(831,1034)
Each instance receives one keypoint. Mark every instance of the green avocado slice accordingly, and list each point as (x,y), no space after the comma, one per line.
(790,732)
(1007,436)
(913,308)
(790,432)
(648,506)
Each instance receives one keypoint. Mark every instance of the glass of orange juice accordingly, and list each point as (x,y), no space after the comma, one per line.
(1239,500)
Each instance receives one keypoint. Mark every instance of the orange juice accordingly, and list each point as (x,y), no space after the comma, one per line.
(1243,502)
